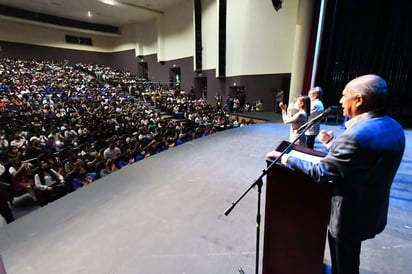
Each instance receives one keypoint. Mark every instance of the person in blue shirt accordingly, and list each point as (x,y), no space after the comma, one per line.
(82,178)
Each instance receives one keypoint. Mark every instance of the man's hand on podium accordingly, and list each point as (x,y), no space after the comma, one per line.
(325,136)
(273,155)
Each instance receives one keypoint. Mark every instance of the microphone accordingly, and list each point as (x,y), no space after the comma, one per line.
(310,123)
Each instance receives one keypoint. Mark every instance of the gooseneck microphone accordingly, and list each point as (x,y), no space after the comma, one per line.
(310,123)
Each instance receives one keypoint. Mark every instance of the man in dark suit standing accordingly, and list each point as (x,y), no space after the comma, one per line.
(361,164)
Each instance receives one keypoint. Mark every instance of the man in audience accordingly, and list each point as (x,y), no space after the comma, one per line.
(109,167)
(33,149)
(112,151)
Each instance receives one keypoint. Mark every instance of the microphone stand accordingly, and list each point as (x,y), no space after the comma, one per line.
(259,182)
(317,119)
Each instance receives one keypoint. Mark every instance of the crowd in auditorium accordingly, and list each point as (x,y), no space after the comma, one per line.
(63,126)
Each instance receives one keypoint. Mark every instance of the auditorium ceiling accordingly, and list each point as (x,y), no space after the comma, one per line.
(106,12)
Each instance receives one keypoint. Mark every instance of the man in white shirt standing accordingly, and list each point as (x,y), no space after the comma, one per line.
(316,108)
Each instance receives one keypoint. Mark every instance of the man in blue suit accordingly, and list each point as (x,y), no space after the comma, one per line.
(361,164)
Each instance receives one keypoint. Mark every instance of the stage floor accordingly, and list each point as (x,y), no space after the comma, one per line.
(165,214)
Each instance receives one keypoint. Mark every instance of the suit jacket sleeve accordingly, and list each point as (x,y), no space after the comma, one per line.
(336,163)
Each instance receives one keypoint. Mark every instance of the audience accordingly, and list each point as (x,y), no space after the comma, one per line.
(68,119)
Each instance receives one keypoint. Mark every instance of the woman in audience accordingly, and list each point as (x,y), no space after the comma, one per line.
(53,161)
(49,184)
(13,153)
(22,177)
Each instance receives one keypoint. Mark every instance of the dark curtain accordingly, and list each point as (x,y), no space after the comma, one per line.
(368,36)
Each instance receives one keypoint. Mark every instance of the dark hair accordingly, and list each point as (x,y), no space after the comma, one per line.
(41,173)
(306,103)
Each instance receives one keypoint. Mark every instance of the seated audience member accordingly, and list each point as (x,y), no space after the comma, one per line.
(34,149)
(82,178)
(112,151)
(71,163)
(50,145)
(83,131)
(40,137)
(70,132)
(109,167)
(133,146)
(53,161)
(93,160)
(126,159)
(57,138)
(22,177)
(13,153)
(4,144)
(140,155)
(88,151)
(19,141)
(49,184)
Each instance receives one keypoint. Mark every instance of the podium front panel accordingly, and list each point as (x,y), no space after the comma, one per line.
(296,218)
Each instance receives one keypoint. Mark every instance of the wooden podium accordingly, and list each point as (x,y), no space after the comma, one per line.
(296,218)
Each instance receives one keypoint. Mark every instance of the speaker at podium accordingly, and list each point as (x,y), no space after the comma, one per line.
(296,217)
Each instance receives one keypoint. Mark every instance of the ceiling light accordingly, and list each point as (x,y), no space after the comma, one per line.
(110,2)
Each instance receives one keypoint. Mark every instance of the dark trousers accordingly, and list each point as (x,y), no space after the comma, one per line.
(310,141)
(5,210)
(345,255)
(45,196)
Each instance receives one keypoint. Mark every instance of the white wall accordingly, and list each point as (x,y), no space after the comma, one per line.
(209,34)
(171,36)
(127,39)
(259,39)
(176,33)
(146,38)
(21,32)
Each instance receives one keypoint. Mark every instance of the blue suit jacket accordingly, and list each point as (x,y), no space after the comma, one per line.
(361,164)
